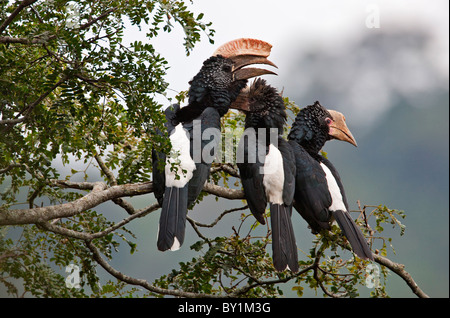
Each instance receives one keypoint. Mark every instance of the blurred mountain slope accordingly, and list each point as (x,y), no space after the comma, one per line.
(396,102)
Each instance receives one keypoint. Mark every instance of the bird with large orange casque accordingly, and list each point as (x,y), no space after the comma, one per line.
(177,178)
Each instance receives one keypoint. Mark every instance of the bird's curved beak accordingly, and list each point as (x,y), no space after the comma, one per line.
(244,52)
(241,102)
(339,129)
(241,72)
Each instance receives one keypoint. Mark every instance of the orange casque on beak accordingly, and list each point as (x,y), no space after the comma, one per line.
(244,52)
(339,129)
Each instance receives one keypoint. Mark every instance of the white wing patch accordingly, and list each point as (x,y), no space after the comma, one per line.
(179,162)
(274,175)
(176,244)
(337,203)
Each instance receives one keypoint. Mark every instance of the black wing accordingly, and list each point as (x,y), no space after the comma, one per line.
(283,239)
(335,173)
(159,176)
(289,170)
(204,137)
(251,166)
(311,198)
(345,221)
(159,158)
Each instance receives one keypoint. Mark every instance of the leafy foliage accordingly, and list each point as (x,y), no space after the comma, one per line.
(72,90)
(242,266)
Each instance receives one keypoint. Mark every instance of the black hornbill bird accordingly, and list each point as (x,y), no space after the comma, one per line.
(267,168)
(186,169)
(319,193)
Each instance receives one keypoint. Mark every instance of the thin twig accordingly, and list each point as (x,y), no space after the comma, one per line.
(220,217)
(141,282)
(27,111)
(11,17)
(399,269)
(89,236)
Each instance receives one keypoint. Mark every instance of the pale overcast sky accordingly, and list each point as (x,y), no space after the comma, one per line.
(288,24)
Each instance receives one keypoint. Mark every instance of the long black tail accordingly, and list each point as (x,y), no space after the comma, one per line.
(172,222)
(353,234)
(283,239)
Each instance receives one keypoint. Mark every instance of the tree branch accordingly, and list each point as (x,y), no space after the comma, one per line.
(140,282)
(100,193)
(31,106)
(219,217)
(226,193)
(72,185)
(258,282)
(40,39)
(22,5)
(9,167)
(226,167)
(101,16)
(127,206)
(89,236)
(35,40)
(109,174)
(399,269)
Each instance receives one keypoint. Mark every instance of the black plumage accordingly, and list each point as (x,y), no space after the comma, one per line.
(181,177)
(267,168)
(214,86)
(319,192)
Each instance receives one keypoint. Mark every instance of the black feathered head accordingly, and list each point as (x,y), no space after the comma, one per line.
(263,106)
(314,125)
(223,76)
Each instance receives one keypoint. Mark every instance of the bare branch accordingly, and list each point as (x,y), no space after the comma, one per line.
(257,282)
(10,255)
(109,174)
(99,194)
(141,282)
(12,121)
(20,7)
(399,269)
(35,40)
(219,217)
(226,167)
(72,185)
(223,192)
(9,167)
(89,236)
(101,16)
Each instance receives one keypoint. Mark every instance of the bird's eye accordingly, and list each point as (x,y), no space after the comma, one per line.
(328,121)
(226,68)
